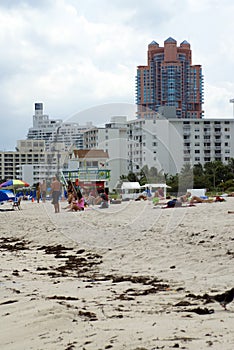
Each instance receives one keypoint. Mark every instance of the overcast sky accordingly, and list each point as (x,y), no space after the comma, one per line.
(73,55)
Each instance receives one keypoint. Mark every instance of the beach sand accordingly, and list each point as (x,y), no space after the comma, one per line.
(128,277)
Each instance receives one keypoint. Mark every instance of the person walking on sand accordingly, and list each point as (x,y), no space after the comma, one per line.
(56,191)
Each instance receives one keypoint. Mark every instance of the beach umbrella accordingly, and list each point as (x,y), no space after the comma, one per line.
(6,195)
(13,184)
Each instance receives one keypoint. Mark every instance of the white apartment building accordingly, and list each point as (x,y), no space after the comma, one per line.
(168,144)
(112,139)
(31,160)
(55,130)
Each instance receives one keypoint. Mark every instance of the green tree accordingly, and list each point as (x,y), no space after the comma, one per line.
(216,172)
(143,175)
(185,178)
(172,181)
(132,177)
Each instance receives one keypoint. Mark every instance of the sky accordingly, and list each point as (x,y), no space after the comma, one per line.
(74,55)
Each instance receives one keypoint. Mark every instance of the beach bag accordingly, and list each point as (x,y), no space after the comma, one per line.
(219,199)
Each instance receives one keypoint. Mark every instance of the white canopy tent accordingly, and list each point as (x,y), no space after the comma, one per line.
(129,190)
(130,186)
(163,186)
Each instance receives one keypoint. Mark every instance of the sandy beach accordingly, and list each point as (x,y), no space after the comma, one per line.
(128,277)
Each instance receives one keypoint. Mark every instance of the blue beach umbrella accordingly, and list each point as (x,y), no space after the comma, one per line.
(6,195)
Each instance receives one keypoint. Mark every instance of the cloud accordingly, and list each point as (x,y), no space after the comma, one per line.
(72,55)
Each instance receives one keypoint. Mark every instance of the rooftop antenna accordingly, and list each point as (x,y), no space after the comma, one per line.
(232,101)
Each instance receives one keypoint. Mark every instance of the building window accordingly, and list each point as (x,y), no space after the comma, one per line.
(197,159)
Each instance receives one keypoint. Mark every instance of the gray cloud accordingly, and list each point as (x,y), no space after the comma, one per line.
(73,55)
(19,3)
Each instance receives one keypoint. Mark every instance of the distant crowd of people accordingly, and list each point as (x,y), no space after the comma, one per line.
(77,198)
(185,200)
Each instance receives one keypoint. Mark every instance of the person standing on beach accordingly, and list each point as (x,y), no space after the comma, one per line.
(56,191)
(38,192)
(43,191)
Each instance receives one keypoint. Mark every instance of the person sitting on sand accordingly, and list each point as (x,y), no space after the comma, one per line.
(156,198)
(185,197)
(160,193)
(70,191)
(90,198)
(102,199)
(79,203)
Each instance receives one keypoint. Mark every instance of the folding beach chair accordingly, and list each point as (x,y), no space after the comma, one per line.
(16,203)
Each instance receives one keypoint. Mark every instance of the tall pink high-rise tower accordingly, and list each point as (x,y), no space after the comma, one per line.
(170,79)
